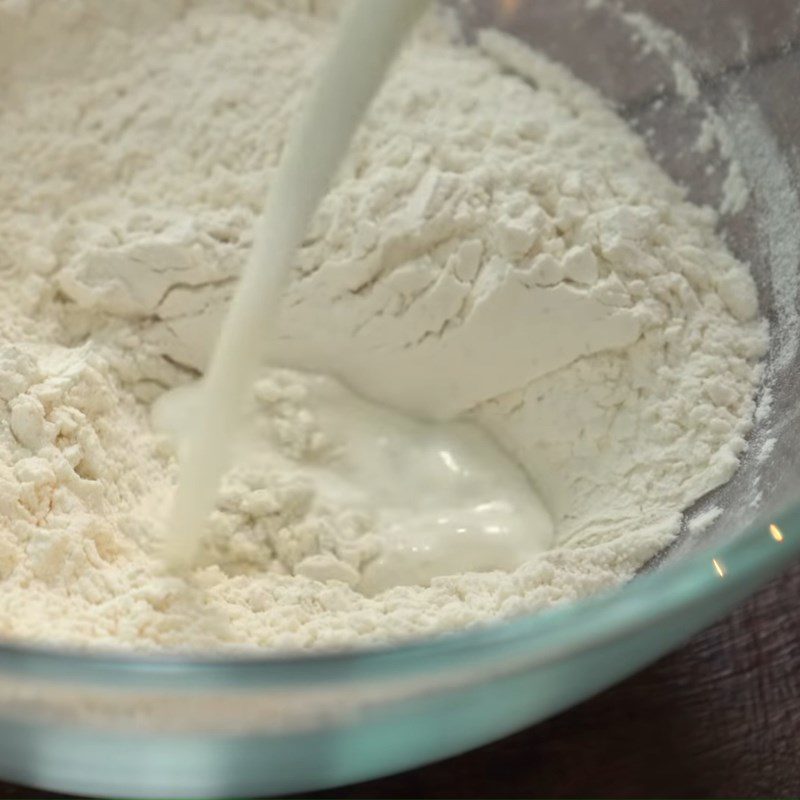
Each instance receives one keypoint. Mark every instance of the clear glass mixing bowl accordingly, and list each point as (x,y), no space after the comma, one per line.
(169,726)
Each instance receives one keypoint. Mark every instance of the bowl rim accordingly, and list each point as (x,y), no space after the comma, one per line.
(538,638)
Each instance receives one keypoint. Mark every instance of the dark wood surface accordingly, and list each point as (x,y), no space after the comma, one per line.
(718,718)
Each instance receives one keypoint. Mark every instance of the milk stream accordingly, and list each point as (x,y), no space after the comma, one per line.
(458,503)
(370,35)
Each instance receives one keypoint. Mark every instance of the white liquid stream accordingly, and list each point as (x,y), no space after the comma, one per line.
(451,501)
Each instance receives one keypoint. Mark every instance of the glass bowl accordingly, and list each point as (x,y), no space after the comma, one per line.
(209,727)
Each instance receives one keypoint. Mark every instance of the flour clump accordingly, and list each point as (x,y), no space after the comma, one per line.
(499,248)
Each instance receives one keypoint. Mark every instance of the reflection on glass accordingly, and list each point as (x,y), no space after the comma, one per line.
(775,532)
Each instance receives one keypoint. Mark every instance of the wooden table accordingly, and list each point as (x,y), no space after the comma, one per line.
(718,718)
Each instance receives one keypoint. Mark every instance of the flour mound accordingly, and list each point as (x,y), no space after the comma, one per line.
(499,245)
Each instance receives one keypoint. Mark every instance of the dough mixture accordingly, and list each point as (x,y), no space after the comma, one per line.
(499,249)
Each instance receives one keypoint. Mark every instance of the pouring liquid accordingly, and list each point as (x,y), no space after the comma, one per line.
(370,35)
(451,500)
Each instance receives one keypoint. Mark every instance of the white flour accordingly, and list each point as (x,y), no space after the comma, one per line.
(491,248)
